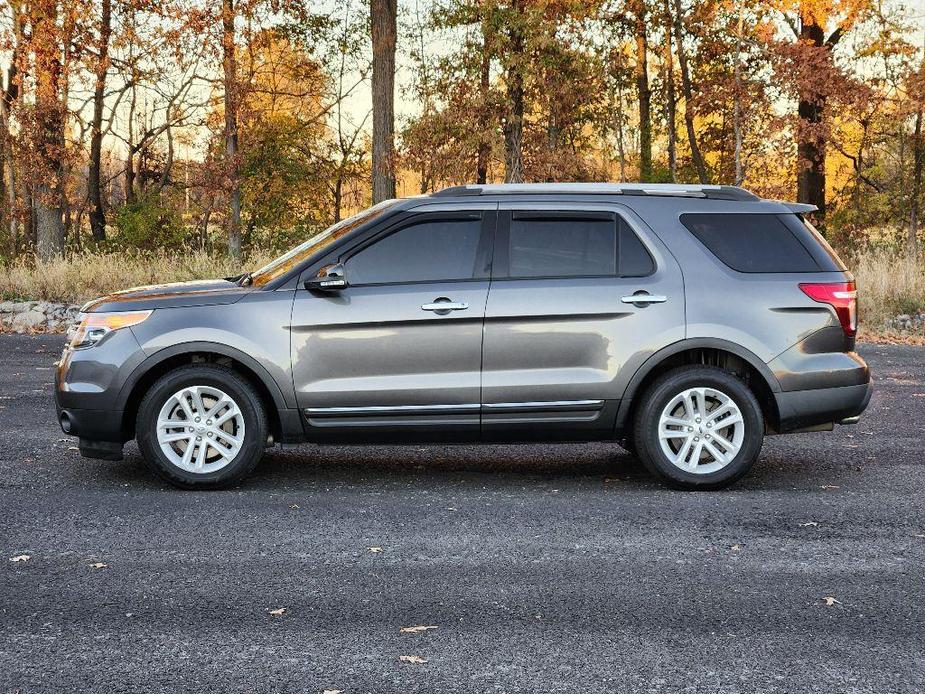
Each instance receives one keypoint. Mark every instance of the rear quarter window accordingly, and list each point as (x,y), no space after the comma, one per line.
(763,242)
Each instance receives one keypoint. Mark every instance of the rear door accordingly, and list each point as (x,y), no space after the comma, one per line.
(580,295)
(397,353)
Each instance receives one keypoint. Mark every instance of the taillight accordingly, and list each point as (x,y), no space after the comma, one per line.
(842,296)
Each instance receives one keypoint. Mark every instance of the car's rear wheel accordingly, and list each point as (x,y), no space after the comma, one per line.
(202,426)
(698,427)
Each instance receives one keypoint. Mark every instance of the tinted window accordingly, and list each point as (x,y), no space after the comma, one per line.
(752,242)
(429,250)
(824,254)
(562,246)
(635,260)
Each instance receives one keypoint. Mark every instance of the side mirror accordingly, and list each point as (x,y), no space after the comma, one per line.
(330,278)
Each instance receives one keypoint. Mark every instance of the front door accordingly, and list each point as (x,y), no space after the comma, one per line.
(561,326)
(397,353)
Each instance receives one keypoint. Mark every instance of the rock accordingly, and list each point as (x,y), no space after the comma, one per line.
(17,306)
(28,320)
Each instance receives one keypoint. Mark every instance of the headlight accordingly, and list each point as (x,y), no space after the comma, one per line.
(93,327)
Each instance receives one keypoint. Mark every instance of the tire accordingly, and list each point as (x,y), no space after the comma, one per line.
(704,398)
(221,456)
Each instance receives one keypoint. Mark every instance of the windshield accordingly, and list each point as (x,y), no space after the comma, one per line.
(318,242)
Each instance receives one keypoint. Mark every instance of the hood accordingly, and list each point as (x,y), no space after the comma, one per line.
(173,295)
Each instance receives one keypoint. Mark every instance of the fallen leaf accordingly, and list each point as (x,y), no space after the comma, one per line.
(829,486)
(829,600)
(809,524)
(277,613)
(294,506)
(375,549)
(21,557)
(98,565)
(415,630)
(411,659)
(736,548)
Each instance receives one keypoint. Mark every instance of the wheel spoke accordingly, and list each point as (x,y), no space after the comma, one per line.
(724,442)
(201,457)
(187,455)
(233,411)
(176,436)
(718,455)
(681,455)
(184,404)
(695,456)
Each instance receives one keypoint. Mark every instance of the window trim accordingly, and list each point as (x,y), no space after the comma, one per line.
(487,219)
(501,265)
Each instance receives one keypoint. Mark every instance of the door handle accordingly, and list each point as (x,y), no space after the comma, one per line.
(643,299)
(445,306)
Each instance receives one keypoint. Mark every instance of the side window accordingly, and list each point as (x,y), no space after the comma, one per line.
(564,245)
(751,242)
(429,250)
(635,260)
(560,246)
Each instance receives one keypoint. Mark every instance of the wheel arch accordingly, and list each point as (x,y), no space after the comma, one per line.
(169,358)
(728,355)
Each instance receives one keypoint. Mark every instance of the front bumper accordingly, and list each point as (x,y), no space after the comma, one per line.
(88,384)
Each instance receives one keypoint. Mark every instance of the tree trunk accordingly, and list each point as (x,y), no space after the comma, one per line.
(699,164)
(484,151)
(49,126)
(384,35)
(671,99)
(94,192)
(917,158)
(130,155)
(7,172)
(810,141)
(338,195)
(514,122)
(233,223)
(643,91)
(737,103)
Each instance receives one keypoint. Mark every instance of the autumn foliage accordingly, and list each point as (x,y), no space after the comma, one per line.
(244,126)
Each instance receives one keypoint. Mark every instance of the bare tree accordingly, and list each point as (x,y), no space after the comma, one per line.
(514,122)
(643,91)
(231,129)
(94,192)
(699,163)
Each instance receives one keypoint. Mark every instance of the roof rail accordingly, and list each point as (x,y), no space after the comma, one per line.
(713,192)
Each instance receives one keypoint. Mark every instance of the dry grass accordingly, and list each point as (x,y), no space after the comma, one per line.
(889,284)
(81,277)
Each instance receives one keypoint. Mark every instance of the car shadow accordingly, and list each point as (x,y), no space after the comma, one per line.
(508,464)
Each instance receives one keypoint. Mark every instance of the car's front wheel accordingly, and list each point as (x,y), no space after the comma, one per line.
(698,427)
(202,426)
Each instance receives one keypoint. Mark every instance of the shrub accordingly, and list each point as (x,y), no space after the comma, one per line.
(147,224)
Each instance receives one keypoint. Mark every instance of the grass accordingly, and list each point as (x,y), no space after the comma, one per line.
(890,284)
(79,278)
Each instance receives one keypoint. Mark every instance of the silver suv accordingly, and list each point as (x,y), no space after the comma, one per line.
(685,322)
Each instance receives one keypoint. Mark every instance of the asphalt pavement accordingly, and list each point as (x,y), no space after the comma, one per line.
(543,568)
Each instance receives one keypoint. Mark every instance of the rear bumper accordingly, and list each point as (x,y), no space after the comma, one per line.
(799,409)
